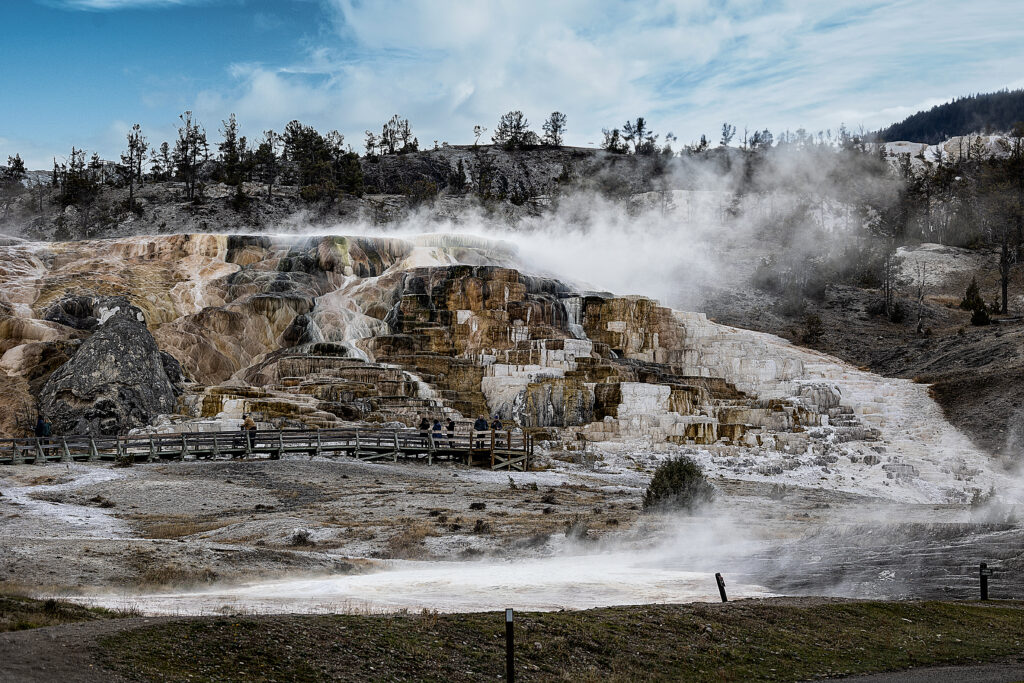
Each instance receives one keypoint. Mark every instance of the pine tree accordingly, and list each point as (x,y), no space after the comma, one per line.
(132,159)
(554,129)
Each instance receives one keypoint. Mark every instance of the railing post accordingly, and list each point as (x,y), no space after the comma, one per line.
(216,447)
(17,456)
(510,659)
(94,453)
(184,447)
(152,449)
(983,573)
(430,452)
(394,455)
(65,453)
(492,448)
(40,456)
(318,444)
(120,453)
(280,444)
(357,454)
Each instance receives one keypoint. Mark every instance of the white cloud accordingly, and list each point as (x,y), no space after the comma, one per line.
(450,64)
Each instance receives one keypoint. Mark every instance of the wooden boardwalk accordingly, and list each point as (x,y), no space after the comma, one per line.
(493,449)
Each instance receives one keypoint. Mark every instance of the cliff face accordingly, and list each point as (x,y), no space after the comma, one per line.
(320,331)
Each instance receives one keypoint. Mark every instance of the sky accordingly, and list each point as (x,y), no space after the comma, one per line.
(81,72)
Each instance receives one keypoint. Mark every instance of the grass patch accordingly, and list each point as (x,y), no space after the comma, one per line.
(18,613)
(179,528)
(407,544)
(740,641)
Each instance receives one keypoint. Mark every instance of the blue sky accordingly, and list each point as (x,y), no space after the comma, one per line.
(82,71)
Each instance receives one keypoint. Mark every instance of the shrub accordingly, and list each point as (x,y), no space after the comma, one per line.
(972,300)
(678,483)
(981,317)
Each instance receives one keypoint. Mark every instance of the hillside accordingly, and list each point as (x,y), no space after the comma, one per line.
(998,112)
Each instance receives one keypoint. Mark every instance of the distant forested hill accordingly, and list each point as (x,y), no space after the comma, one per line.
(996,111)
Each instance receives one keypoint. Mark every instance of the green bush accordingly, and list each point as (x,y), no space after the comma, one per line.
(678,484)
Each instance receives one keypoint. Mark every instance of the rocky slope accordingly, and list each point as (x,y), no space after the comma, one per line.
(322,331)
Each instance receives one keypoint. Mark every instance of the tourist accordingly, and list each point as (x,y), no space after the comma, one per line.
(480,427)
(436,428)
(250,429)
(424,427)
(450,427)
(40,426)
(47,430)
(496,424)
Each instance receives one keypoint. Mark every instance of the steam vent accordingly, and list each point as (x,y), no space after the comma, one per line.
(189,332)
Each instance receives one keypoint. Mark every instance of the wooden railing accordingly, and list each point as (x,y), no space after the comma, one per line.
(498,449)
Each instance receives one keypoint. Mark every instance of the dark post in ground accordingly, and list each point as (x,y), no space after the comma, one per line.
(510,664)
(984,572)
(721,587)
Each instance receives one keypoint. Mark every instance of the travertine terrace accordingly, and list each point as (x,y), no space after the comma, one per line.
(320,331)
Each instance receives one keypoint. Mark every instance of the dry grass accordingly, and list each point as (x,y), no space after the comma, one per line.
(407,544)
(166,576)
(179,528)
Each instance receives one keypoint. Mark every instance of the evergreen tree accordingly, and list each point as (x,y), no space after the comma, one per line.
(190,151)
(266,161)
(554,129)
(131,160)
(513,131)
(12,182)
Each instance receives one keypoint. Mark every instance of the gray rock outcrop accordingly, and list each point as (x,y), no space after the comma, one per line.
(117,380)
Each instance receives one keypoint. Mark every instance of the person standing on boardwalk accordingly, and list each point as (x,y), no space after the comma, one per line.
(496,424)
(450,428)
(250,429)
(40,425)
(424,427)
(480,427)
(436,429)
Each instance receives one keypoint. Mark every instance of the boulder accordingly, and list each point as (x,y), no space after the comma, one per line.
(117,380)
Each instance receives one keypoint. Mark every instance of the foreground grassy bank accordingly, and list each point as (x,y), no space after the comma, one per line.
(18,613)
(749,640)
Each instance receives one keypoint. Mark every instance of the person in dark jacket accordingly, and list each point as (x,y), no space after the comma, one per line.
(40,425)
(480,427)
(424,427)
(47,428)
(496,424)
(437,433)
(450,428)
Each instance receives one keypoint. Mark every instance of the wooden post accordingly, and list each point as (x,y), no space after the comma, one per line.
(280,444)
(40,456)
(65,453)
(184,447)
(216,448)
(492,448)
(394,455)
(120,454)
(17,457)
(510,649)
(248,442)
(721,587)
(357,453)
(94,454)
(318,444)
(152,449)
(984,572)
(430,453)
